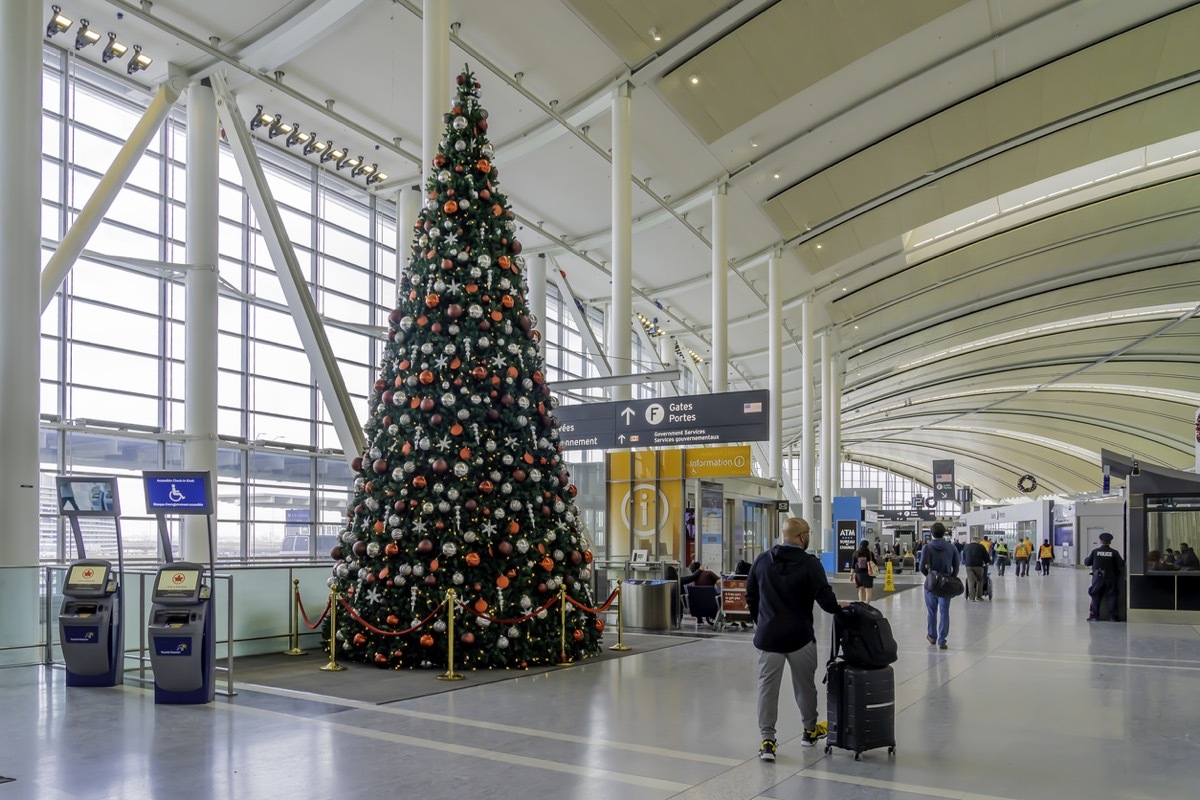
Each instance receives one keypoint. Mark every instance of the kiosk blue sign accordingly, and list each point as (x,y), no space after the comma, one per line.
(178,492)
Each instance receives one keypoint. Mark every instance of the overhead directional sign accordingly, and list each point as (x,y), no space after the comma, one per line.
(692,420)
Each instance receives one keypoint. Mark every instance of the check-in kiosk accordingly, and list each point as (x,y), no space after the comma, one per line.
(181,627)
(89,620)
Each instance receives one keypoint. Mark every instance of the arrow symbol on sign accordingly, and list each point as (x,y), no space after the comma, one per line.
(621,438)
(627,413)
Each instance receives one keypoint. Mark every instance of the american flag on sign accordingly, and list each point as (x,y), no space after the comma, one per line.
(751,408)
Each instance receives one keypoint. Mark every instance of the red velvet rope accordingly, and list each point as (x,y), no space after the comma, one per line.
(601,609)
(354,615)
(312,626)
(525,618)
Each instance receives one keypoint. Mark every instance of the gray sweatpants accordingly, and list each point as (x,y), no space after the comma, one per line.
(803,663)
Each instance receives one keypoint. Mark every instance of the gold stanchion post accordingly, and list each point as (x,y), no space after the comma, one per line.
(332,666)
(620,646)
(563,661)
(450,674)
(295,649)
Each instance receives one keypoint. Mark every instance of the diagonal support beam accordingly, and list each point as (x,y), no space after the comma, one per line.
(585,330)
(109,187)
(287,267)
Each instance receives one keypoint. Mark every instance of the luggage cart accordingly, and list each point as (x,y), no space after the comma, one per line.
(733,603)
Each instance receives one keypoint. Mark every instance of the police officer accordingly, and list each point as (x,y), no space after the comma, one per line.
(1107,568)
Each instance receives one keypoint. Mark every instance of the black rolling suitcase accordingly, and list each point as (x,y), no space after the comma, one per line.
(861,706)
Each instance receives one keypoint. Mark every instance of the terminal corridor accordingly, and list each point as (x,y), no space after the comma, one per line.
(1030,701)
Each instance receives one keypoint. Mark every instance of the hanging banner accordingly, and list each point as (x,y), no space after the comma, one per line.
(943,479)
(1198,440)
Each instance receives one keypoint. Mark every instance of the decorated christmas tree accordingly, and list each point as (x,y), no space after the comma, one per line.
(463,485)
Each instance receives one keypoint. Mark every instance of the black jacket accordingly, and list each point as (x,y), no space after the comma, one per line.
(780,591)
(975,555)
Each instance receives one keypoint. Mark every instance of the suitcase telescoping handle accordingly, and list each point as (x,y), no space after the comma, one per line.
(833,648)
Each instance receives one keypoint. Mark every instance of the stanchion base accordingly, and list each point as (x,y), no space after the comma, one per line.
(333,668)
(451,676)
(295,651)
(621,648)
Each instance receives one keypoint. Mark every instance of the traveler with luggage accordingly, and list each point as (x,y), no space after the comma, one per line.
(938,556)
(975,559)
(781,588)
(1107,568)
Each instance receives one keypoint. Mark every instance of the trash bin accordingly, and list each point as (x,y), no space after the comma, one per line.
(647,604)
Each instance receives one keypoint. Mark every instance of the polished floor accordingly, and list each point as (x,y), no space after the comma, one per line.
(1030,701)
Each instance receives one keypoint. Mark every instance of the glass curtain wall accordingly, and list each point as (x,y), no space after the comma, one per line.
(113,337)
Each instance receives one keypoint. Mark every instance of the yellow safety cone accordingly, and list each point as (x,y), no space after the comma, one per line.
(889,585)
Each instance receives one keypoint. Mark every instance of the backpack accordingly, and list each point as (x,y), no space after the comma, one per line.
(864,637)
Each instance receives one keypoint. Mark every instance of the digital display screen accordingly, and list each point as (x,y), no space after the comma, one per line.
(87,496)
(87,576)
(177,582)
(178,492)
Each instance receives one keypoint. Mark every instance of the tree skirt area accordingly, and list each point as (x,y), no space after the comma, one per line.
(370,684)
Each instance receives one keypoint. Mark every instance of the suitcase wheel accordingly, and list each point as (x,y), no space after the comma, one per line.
(828,749)
(892,751)
(857,756)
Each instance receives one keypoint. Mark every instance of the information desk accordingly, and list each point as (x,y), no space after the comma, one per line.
(89,630)
(181,635)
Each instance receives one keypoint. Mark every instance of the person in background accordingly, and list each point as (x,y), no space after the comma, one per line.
(1156,563)
(941,556)
(1045,555)
(864,576)
(1001,551)
(1107,568)
(1187,557)
(1170,558)
(1024,553)
(780,591)
(975,558)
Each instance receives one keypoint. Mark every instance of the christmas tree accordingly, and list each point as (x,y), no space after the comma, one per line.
(463,485)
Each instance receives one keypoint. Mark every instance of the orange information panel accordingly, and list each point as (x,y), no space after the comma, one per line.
(733,598)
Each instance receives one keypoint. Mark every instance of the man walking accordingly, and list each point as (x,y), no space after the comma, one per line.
(940,556)
(1107,568)
(1046,556)
(1024,551)
(780,591)
(975,559)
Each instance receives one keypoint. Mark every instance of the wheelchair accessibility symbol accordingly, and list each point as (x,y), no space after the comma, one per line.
(175,494)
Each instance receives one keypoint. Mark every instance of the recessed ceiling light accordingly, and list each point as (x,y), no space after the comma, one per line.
(695,79)
(818,247)
(776,176)
(843,288)
(654,35)
(753,143)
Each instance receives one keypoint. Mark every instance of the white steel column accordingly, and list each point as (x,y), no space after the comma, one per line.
(620,320)
(720,290)
(110,185)
(827,541)
(435,88)
(20,323)
(408,208)
(775,361)
(808,461)
(536,278)
(835,446)
(200,333)
(295,289)
(666,354)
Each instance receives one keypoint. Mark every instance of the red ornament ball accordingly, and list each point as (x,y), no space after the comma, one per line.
(380,466)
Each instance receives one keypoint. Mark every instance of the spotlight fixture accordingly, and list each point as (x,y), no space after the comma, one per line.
(297,136)
(654,35)
(259,119)
(113,49)
(138,62)
(353,163)
(86,36)
(331,153)
(1137,470)
(280,128)
(58,23)
(376,178)
(363,169)
(313,145)
(695,79)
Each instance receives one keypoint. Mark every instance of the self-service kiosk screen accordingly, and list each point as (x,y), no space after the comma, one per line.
(177,583)
(86,576)
(87,496)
